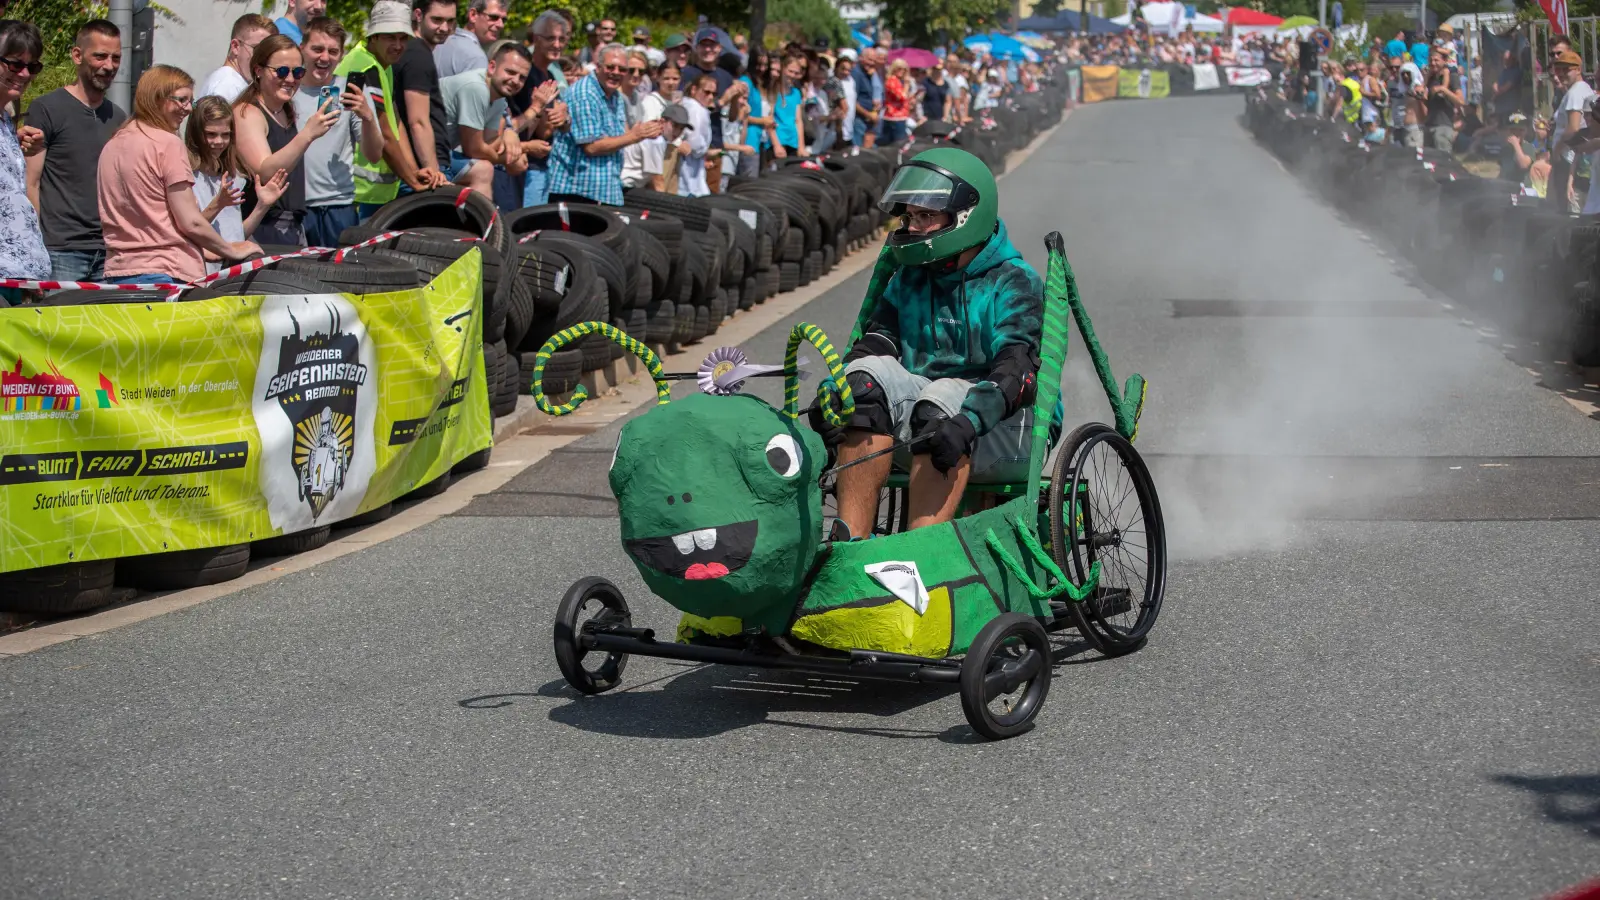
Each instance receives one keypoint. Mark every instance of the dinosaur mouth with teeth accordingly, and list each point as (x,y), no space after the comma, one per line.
(698,555)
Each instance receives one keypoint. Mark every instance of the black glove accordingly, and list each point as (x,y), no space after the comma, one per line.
(832,435)
(951,441)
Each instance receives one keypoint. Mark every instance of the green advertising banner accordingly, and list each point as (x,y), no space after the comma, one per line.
(1143,83)
(133,428)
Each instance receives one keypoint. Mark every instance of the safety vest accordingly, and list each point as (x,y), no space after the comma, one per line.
(376,183)
(1352,103)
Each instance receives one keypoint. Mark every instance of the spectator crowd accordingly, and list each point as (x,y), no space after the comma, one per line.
(301,133)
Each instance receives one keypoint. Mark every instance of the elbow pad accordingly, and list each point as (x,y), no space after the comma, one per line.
(873,343)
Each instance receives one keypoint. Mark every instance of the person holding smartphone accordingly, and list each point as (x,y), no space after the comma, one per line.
(330,159)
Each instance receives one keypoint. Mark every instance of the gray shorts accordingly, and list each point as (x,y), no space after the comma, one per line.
(1000,457)
(1412,137)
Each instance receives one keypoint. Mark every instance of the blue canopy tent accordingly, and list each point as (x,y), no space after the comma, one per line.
(862,40)
(1067,20)
(1001,46)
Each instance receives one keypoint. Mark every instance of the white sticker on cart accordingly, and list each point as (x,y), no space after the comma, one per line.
(749,217)
(902,580)
(561,280)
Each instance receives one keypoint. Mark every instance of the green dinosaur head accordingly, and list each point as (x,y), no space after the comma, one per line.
(720,506)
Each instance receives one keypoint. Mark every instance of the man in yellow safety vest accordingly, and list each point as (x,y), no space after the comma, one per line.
(370,66)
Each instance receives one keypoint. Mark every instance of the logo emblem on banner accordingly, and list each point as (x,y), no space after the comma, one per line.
(314,407)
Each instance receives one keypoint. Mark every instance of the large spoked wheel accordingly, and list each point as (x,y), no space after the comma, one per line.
(1005,676)
(590,600)
(1103,507)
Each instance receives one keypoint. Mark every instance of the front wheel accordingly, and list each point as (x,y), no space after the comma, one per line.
(1103,508)
(589,600)
(1005,676)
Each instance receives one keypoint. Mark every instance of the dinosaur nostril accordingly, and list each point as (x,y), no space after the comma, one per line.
(669,500)
(687,498)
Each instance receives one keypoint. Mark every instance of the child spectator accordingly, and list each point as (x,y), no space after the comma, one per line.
(219,187)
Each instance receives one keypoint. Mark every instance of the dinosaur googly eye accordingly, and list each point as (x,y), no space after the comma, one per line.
(783,455)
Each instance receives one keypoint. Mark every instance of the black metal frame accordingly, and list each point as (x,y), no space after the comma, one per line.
(871,664)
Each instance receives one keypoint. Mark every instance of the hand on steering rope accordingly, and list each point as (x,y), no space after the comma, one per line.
(832,435)
(953,439)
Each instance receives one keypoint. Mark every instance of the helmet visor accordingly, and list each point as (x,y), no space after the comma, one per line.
(919,186)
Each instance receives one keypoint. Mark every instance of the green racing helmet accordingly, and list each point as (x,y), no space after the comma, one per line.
(950,180)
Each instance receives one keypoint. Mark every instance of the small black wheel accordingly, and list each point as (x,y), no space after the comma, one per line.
(1005,676)
(1103,508)
(590,600)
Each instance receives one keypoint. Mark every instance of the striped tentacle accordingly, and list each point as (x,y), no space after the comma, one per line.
(565,336)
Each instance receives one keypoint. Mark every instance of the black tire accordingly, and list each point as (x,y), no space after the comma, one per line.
(184,568)
(367,275)
(594,222)
(99,298)
(371,517)
(290,544)
(428,489)
(788,276)
(607,265)
(661,319)
(261,281)
(561,374)
(1133,574)
(1009,661)
(59,589)
(694,215)
(437,209)
(571,616)
(473,462)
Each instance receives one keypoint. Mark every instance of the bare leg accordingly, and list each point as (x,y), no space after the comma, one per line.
(859,486)
(935,497)
(480,177)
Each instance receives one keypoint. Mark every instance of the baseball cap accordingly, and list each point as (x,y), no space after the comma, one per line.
(389,17)
(641,33)
(1568,58)
(676,39)
(706,34)
(1517,118)
(847,53)
(676,114)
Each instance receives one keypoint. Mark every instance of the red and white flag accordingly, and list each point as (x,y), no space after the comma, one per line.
(1556,11)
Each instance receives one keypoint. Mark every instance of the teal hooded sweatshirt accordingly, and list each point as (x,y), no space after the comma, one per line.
(981,323)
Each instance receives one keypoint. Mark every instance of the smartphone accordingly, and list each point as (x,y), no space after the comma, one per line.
(359,79)
(330,98)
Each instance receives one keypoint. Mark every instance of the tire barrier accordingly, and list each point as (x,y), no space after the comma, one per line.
(662,270)
(1511,258)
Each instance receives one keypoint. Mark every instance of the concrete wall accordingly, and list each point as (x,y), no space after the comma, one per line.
(198,42)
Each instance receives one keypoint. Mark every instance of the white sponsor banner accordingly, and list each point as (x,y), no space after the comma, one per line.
(1205,77)
(1247,76)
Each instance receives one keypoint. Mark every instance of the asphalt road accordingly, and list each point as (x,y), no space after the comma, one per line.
(1376,674)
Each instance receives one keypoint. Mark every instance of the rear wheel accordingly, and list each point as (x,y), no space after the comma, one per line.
(1103,508)
(595,600)
(1006,676)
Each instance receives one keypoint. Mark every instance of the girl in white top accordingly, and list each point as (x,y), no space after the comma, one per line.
(218,186)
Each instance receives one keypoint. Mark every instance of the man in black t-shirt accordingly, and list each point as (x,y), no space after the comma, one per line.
(77,120)
(419,107)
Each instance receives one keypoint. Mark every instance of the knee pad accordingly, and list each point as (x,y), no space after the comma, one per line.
(926,417)
(872,404)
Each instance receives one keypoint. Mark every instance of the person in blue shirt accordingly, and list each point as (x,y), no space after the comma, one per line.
(294,19)
(787,132)
(760,117)
(1419,54)
(1396,48)
(865,132)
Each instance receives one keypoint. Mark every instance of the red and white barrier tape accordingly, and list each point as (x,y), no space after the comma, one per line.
(494,216)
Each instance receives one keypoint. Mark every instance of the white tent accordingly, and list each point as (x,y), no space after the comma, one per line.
(1172,18)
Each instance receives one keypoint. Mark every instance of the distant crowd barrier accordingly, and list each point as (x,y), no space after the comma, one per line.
(1094,84)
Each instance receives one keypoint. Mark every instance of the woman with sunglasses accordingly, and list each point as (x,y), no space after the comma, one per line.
(264,130)
(22,253)
(154,230)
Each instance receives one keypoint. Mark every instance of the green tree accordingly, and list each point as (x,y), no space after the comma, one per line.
(924,22)
(808,20)
(1047,8)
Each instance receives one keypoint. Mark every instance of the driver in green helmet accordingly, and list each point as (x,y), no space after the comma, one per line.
(950,351)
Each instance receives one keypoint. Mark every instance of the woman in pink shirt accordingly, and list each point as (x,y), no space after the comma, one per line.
(897,102)
(153,227)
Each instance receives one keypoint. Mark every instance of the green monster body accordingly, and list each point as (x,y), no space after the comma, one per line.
(721,512)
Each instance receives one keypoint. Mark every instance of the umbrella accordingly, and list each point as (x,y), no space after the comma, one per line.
(1035,40)
(1001,46)
(860,39)
(915,57)
(1294,22)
